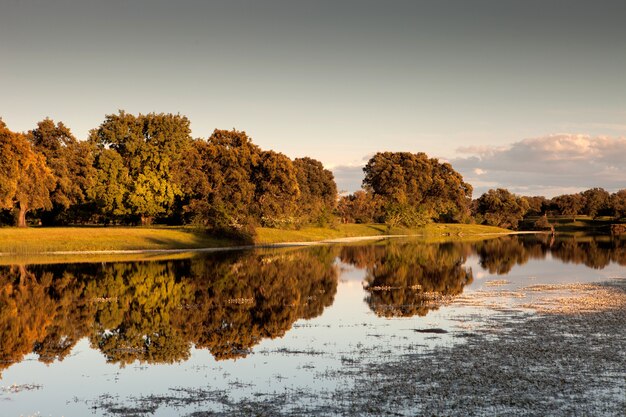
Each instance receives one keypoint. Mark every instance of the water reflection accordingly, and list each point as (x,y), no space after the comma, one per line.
(408,278)
(155,312)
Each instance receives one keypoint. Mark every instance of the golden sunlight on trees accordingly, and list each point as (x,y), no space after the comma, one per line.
(141,151)
(25,180)
(416,189)
(145,168)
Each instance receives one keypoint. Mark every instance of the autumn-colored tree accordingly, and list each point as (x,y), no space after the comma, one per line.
(148,145)
(420,187)
(25,179)
(501,208)
(360,207)
(71,163)
(318,191)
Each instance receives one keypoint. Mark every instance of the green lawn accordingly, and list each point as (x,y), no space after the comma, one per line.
(38,240)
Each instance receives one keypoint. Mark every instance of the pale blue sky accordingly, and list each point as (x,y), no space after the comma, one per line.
(334,80)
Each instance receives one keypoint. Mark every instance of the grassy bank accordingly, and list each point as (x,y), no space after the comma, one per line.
(38,240)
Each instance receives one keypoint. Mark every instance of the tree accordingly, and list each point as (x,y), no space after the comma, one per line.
(536,205)
(618,203)
(25,179)
(502,208)
(360,207)
(276,189)
(318,191)
(595,199)
(413,183)
(569,204)
(219,188)
(149,145)
(71,163)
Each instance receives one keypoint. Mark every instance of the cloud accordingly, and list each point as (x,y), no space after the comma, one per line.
(548,165)
(348,178)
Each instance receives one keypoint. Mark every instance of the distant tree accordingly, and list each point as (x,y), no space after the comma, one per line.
(318,191)
(360,207)
(413,183)
(617,203)
(536,205)
(71,163)
(25,180)
(276,189)
(149,145)
(595,200)
(569,204)
(502,208)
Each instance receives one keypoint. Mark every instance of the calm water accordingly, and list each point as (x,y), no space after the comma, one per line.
(176,337)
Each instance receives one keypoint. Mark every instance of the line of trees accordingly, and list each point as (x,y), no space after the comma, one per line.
(140,169)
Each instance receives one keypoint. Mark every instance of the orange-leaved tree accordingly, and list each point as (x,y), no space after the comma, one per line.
(25,179)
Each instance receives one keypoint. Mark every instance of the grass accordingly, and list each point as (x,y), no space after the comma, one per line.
(584,224)
(39,239)
(33,245)
(312,234)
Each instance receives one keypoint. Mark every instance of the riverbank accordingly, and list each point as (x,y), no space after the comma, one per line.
(116,240)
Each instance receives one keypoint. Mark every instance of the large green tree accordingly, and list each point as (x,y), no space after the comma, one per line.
(149,146)
(25,180)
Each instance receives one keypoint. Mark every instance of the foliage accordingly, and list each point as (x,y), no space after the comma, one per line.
(595,200)
(318,192)
(276,190)
(618,203)
(502,208)
(404,179)
(360,207)
(25,180)
(146,146)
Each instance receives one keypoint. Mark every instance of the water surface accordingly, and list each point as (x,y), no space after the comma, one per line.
(221,330)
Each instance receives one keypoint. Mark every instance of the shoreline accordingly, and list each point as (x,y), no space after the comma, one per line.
(331,241)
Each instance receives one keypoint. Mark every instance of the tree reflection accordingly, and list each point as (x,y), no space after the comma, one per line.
(155,312)
(405,279)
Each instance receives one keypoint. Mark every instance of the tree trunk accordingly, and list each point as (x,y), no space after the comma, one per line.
(21,217)
(146,220)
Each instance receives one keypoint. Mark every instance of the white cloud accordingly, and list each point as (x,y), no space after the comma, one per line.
(547,165)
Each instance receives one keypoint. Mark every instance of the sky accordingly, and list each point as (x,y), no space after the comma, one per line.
(526,95)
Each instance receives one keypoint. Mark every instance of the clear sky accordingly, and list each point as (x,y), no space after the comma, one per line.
(528,95)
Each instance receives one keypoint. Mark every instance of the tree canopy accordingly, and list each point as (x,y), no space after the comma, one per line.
(417,189)
(25,180)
